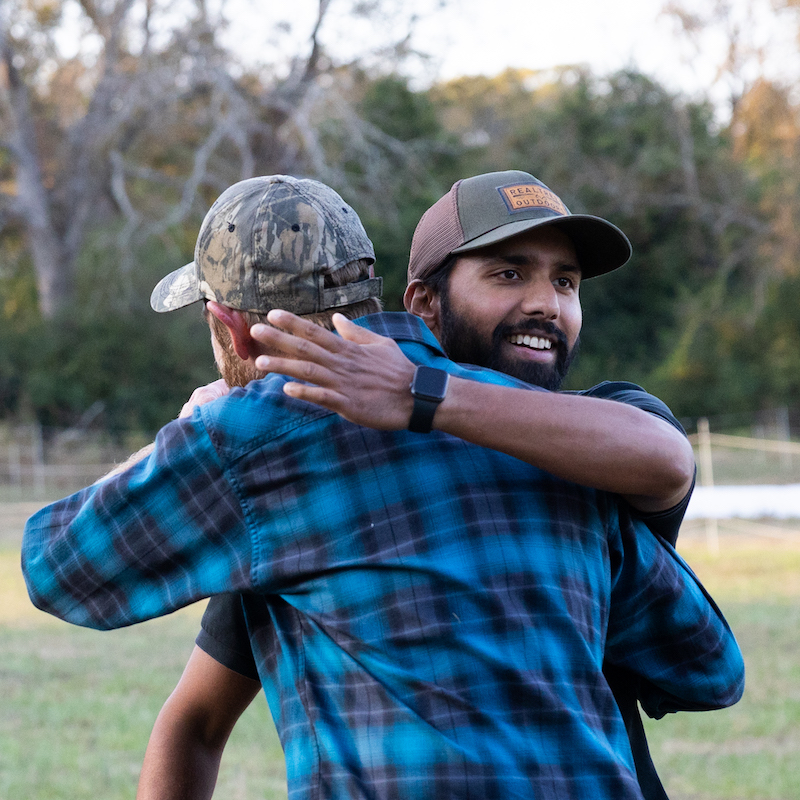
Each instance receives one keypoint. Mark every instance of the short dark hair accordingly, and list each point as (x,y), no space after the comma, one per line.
(439,278)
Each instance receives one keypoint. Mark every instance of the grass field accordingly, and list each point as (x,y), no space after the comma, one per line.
(750,751)
(78,705)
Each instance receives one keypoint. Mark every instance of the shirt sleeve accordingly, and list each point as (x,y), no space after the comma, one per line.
(665,523)
(664,627)
(223,635)
(161,535)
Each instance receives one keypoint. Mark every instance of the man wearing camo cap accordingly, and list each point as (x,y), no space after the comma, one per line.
(422,623)
(272,243)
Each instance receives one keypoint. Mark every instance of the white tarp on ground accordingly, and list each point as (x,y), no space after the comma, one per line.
(745,502)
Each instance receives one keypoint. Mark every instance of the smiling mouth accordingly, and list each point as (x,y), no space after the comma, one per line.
(532,342)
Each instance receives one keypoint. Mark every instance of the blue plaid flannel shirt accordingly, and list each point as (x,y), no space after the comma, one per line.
(429,617)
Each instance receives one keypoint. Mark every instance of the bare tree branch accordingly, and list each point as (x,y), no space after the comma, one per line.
(172,115)
(132,216)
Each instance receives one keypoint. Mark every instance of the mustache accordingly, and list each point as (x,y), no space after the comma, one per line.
(531,326)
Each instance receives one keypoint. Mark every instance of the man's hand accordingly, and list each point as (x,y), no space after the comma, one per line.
(202,395)
(358,374)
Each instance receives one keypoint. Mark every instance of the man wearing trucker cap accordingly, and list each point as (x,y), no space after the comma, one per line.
(428,617)
(473,260)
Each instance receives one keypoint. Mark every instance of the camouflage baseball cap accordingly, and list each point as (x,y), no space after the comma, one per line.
(495,206)
(269,242)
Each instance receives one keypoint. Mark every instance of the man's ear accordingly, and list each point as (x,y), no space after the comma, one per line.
(235,322)
(423,302)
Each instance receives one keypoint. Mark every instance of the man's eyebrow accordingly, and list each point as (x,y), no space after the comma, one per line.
(518,260)
(521,260)
(575,268)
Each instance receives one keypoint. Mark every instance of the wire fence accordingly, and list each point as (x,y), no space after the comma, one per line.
(767,472)
(39,464)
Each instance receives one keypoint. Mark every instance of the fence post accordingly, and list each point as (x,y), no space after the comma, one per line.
(784,433)
(707,479)
(14,463)
(37,457)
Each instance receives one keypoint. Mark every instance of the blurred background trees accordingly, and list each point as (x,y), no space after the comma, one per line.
(122,120)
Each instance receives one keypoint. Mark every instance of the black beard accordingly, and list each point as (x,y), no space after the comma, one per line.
(464,345)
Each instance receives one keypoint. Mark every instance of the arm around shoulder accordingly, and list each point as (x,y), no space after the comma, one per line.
(604,444)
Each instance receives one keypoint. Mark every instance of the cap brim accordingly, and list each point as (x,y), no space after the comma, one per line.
(600,246)
(176,290)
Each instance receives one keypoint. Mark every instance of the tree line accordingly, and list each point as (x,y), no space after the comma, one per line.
(109,159)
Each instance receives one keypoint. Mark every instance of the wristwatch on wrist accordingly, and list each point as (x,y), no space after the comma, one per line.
(428,388)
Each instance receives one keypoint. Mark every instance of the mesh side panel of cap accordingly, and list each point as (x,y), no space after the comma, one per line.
(437,235)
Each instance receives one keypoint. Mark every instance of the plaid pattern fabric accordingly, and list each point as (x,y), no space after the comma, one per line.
(428,617)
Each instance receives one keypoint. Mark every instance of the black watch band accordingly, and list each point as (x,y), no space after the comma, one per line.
(428,388)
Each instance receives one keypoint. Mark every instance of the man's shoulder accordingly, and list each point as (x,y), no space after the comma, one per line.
(633,395)
(611,390)
(255,414)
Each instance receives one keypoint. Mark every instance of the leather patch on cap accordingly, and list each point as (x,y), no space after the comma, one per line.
(523,196)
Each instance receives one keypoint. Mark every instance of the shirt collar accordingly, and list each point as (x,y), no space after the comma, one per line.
(401,326)
(407,328)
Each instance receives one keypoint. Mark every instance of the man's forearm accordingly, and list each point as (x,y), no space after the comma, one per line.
(664,626)
(600,443)
(90,559)
(190,733)
(177,766)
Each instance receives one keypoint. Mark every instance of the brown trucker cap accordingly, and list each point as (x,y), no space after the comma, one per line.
(269,242)
(490,208)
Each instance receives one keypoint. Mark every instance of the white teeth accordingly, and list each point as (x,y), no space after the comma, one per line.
(534,342)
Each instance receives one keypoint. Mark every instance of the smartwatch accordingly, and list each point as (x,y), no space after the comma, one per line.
(428,389)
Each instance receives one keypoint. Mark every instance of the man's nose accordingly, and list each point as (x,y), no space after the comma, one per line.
(541,300)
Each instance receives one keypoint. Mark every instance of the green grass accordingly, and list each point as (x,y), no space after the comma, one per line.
(78,705)
(748,752)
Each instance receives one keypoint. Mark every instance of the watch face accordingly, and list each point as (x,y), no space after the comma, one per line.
(430,383)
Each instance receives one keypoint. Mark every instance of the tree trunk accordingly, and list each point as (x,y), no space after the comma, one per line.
(53,272)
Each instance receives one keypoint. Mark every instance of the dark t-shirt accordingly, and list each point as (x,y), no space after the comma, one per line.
(225,638)
(223,635)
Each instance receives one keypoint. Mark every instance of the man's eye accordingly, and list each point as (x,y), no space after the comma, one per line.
(565,283)
(509,274)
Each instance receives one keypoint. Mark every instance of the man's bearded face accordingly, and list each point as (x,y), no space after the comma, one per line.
(514,307)
(464,344)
